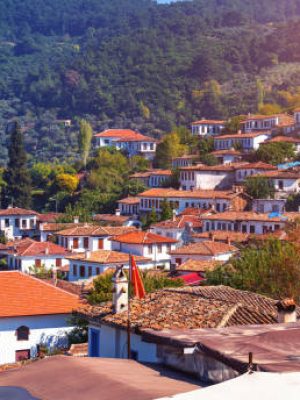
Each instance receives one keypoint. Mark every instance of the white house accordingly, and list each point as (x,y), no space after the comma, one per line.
(284,181)
(297,116)
(33,313)
(244,171)
(228,156)
(180,199)
(47,230)
(132,142)
(207,127)
(204,250)
(27,254)
(146,244)
(129,206)
(92,263)
(152,178)
(255,123)
(204,177)
(17,222)
(247,222)
(269,205)
(184,161)
(90,237)
(247,141)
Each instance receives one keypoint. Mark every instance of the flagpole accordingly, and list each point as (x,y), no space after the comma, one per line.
(128,313)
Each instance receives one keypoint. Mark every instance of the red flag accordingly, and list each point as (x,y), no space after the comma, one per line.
(136,280)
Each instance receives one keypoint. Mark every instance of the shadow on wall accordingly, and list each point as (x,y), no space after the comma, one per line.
(15,393)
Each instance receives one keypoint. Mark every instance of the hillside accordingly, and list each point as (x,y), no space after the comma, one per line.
(140,64)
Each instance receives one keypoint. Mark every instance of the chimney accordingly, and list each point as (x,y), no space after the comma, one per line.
(47,250)
(228,241)
(54,275)
(120,291)
(76,220)
(211,236)
(286,311)
(174,215)
(118,212)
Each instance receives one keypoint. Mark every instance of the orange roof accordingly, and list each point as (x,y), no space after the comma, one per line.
(107,257)
(23,295)
(195,194)
(198,265)
(230,152)
(49,217)
(222,236)
(30,248)
(281,174)
(209,122)
(243,135)
(130,200)
(17,211)
(126,135)
(140,237)
(279,139)
(179,222)
(221,167)
(205,248)
(261,116)
(258,165)
(93,230)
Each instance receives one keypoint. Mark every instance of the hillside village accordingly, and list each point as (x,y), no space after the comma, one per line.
(215,238)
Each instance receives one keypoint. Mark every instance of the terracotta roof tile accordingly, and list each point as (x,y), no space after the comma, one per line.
(223,236)
(112,218)
(221,167)
(281,174)
(130,201)
(28,248)
(17,211)
(125,135)
(243,135)
(198,265)
(195,194)
(205,248)
(92,230)
(258,165)
(209,122)
(192,308)
(279,139)
(49,217)
(23,295)
(140,237)
(179,222)
(106,257)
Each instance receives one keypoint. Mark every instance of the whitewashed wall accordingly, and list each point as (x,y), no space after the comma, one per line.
(49,330)
(28,262)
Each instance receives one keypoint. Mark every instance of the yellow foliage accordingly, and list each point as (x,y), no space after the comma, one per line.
(67,182)
(270,109)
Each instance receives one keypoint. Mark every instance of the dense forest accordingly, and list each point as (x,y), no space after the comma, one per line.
(140,64)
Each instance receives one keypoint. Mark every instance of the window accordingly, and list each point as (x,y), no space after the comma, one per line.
(31,223)
(38,263)
(280,185)
(82,271)
(75,243)
(58,262)
(100,244)
(97,271)
(252,229)
(6,222)
(90,271)
(24,223)
(22,333)
(17,223)
(150,249)
(75,270)
(178,261)
(159,248)
(244,228)
(86,242)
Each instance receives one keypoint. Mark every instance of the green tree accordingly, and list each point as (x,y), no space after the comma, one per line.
(233,125)
(206,145)
(209,159)
(169,148)
(275,153)
(85,139)
(271,269)
(16,175)
(259,187)
(166,210)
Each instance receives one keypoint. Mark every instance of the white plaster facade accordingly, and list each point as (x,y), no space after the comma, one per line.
(112,343)
(146,148)
(157,252)
(178,259)
(259,124)
(207,128)
(268,205)
(248,142)
(241,174)
(49,330)
(26,263)
(79,244)
(17,226)
(206,180)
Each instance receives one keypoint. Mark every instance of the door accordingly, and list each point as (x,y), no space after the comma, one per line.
(22,355)
(95,343)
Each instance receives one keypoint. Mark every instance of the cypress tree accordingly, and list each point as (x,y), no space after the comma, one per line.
(17,178)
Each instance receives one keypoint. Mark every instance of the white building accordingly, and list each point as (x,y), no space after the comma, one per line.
(86,265)
(228,156)
(247,222)
(255,123)
(33,313)
(247,141)
(295,141)
(184,161)
(284,181)
(152,178)
(206,127)
(129,206)
(90,237)
(204,250)
(132,142)
(245,171)
(28,254)
(16,223)
(269,205)
(146,244)
(180,199)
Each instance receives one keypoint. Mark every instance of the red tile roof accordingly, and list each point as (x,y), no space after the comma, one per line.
(179,222)
(112,218)
(23,295)
(31,248)
(140,237)
(49,217)
(17,211)
(205,248)
(230,152)
(223,236)
(198,265)
(279,139)
(208,122)
(93,230)
(125,135)
(195,194)
(243,135)
(221,167)
(258,165)
(281,174)
(130,200)
(107,257)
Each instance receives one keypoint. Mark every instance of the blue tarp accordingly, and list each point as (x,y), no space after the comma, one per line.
(288,165)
